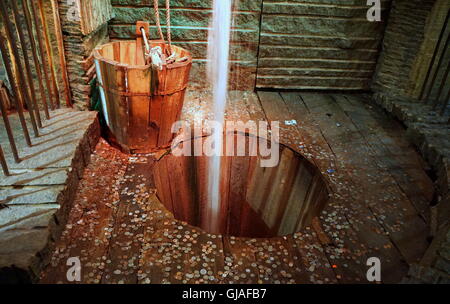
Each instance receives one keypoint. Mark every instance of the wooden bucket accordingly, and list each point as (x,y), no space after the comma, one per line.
(140,103)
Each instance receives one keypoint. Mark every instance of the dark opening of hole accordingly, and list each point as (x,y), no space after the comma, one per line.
(255,201)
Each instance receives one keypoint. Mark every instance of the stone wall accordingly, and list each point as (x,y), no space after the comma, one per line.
(403,40)
(428,132)
(434,31)
(79,41)
(303,44)
(190,22)
(318,44)
(48,8)
(94,14)
(410,41)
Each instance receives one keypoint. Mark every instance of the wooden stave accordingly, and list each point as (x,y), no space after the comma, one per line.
(139,128)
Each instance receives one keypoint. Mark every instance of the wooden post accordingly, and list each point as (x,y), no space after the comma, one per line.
(21,87)
(62,57)
(436,72)
(12,81)
(8,126)
(442,86)
(49,50)
(29,74)
(37,64)
(42,52)
(4,91)
(3,162)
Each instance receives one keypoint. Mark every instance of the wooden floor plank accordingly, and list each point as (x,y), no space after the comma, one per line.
(367,167)
(130,220)
(87,234)
(277,108)
(326,161)
(403,162)
(240,261)
(373,174)
(351,152)
(314,261)
(156,261)
(401,212)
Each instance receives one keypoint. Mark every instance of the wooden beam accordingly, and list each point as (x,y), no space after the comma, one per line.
(29,74)
(42,52)
(49,50)
(8,128)
(3,162)
(37,64)
(16,60)
(12,80)
(62,57)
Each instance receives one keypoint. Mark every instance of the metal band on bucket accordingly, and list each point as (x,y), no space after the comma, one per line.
(131,94)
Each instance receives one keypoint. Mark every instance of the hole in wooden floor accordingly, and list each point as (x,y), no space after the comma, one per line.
(255,201)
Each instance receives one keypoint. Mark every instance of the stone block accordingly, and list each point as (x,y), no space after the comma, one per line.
(37,197)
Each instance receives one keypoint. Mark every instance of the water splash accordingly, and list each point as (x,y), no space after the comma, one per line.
(218,54)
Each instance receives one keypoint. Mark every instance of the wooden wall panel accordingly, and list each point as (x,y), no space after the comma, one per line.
(292,44)
(94,13)
(320,44)
(190,25)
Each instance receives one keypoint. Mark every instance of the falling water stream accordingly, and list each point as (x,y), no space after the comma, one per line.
(218,53)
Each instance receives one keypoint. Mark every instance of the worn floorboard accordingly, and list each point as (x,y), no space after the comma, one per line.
(378,207)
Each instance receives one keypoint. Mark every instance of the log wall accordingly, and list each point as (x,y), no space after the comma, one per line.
(81,36)
(94,13)
(409,43)
(294,44)
(318,44)
(190,22)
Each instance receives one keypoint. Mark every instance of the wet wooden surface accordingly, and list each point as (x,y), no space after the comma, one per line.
(378,208)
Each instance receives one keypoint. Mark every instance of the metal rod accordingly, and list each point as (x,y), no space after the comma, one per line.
(49,50)
(12,142)
(433,58)
(436,72)
(29,73)
(14,85)
(37,64)
(42,52)
(62,57)
(147,45)
(3,162)
(15,53)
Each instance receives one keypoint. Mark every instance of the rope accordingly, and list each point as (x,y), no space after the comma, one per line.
(158,23)
(169,34)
